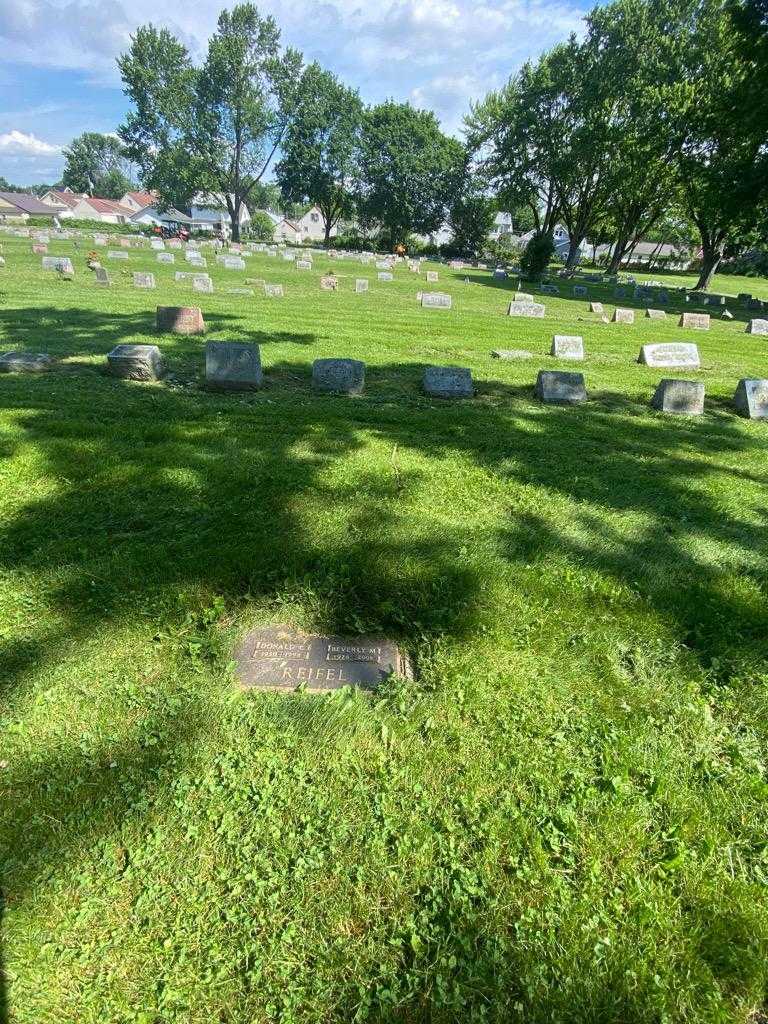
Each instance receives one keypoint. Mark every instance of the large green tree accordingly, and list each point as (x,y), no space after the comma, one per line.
(722,158)
(213,128)
(97,164)
(320,148)
(471,214)
(408,171)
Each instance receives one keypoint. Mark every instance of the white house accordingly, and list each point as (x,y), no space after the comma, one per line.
(64,199)
(169,218)
(502,226)
(287,231)
(139,200)
(108,211)
(209,213)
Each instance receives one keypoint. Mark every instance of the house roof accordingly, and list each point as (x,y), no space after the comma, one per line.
(107,206)
(171,215)
(67,197)
(30,204)
(291,225)
(144,199)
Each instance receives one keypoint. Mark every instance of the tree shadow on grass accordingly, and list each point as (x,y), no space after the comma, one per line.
(160,491)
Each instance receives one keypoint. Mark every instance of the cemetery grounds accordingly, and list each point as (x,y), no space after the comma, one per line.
(562,819)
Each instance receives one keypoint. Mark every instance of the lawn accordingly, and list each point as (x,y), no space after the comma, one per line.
(562,819)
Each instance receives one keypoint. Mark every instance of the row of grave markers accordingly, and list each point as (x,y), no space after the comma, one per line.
(232,365)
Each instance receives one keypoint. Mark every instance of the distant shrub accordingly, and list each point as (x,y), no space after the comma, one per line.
(261,228)
(537,256)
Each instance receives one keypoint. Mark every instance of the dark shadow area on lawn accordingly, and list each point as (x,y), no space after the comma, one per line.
(215,492)
(3,986)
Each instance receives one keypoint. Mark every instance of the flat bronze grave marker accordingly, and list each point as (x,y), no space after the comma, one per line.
(280,658)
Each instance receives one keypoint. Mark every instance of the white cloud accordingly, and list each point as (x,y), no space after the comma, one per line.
(439,53)
(16,143)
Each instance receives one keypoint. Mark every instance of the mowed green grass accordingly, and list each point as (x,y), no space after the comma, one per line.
(563,819)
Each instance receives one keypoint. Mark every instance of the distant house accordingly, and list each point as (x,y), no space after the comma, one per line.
(20,206)
(208,212)
(647,253)
(287,231)
(63,198)
(502,227)
(108,211)
(169,218)
(312,227)
(139,200)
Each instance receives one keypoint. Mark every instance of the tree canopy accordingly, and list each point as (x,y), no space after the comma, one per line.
(319,152)
(408,171)
(97,164)
(213,128)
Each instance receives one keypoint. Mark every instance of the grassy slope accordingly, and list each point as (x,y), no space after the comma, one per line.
(563,820)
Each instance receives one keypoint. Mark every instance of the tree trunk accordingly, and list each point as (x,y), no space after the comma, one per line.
(617,255)
(711,256)
(574,252)
(328,226)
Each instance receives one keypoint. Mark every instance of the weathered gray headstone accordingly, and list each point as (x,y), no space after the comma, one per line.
(595,307)
(202,283)
(523,297)
(623,316)
(567,346)
(511,353)
(580,291)
(26,362)
(682,397)
(329,283)
(620,292)
(697,321)
(274,291)
(669,354)
(303,264)
(143,280)
(757,327)
(240,291)
(61,263)
(233,263)
(180,319)
(156,243)
(550,289)
(165,257)
(279,658)
(435,300)
(448,382)
(557,387)
(136,362)
(535,309)
(117,254)
(751,398)
(384,275)
(432,277)
(102,277)
(345,376)
(361,284)
(655,314)
(233,366)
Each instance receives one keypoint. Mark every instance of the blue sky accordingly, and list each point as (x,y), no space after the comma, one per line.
(58,76)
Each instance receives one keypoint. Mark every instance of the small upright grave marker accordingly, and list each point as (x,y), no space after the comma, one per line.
(435,300)
(448,382)
(136,362)
(274,291)
(26,362)
(567,346)
(342,376)
(233,366)
(751,398)
(655,314)
(329,283)
(385,275)
(432,277)
(681,397)
(595,307)
(535,309)
(757,327)
(361,284)
(141,279)
(669,353)
(180,319)
(696,321)
(623,316)
(556,387)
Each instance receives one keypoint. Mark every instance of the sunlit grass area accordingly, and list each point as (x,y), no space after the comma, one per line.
(562,819)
